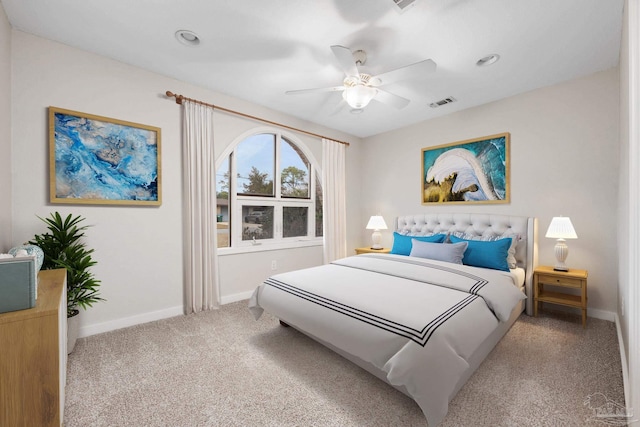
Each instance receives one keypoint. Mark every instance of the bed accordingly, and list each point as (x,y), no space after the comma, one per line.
(418,320)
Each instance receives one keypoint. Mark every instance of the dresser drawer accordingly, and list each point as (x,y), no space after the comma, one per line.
(559,281)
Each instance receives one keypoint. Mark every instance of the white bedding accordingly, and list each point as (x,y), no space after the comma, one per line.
(417,320)
(520,275)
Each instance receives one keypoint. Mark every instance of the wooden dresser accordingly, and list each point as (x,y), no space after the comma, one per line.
(33,357)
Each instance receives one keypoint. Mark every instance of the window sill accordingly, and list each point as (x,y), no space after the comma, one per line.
(263,247)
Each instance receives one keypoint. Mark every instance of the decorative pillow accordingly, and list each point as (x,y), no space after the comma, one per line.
(511,257)
(449,252)
(402,243)
(486,254)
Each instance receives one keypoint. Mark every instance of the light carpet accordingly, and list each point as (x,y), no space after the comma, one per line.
(223,368)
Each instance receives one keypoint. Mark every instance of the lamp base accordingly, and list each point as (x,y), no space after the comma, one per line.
(376,248)
(375,239)
(561,251)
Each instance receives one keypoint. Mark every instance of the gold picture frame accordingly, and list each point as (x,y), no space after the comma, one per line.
(103,161)
(470,171)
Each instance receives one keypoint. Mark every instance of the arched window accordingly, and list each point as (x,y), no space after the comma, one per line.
(268,194)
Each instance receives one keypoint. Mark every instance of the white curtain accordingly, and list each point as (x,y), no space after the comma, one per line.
(202,291)
(334,213)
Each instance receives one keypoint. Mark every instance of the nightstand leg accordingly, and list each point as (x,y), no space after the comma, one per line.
(584,318)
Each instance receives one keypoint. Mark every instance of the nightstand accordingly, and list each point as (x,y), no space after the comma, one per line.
(372,251)
(572,279)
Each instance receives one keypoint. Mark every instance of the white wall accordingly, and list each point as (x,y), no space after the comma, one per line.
(623,201)
(5,132)
(564,161)
(629,204)
(138,249)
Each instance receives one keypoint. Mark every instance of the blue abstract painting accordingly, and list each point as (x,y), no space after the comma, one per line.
(475,170)
(97,160)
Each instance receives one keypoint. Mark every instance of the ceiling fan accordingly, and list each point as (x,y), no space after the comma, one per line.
(358,89)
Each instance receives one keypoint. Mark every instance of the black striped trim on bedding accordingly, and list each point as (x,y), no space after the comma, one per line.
(480,282)
(420,337)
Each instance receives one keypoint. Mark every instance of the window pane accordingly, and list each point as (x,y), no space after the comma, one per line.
(222,202)
(257,222)
(294,171)
(222,180)
(318,207)
(294,221)
(255,160)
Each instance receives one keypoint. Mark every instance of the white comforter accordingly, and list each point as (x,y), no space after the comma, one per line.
(417,320)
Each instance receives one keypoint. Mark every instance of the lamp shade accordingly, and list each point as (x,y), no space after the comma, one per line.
(359,96)
(561,228)
(376,222)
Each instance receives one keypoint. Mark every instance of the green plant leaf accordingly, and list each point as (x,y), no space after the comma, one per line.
(63,248)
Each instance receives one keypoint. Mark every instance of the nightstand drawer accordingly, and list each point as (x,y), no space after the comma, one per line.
(559,281)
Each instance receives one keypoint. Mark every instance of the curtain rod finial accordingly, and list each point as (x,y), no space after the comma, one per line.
(178,98)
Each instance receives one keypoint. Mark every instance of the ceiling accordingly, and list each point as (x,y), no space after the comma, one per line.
(256,50)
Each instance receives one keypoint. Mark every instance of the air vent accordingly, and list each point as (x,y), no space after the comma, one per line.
(442,102)
(403,5)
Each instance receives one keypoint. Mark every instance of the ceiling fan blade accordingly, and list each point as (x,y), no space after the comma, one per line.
(413,71)
(315,90)
(345,59)
(392,99)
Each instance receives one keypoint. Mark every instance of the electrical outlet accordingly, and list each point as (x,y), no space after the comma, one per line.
(274,265)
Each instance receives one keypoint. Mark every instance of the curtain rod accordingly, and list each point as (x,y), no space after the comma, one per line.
(180,98)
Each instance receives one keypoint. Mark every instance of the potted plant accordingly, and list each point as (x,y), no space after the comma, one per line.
(63,248)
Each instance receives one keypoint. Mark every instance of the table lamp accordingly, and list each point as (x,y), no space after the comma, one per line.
(561,229)
(376,223)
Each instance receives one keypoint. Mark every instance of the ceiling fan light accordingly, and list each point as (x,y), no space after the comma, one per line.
(359,96)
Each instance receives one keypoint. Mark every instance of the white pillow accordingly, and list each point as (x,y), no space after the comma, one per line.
(449,252)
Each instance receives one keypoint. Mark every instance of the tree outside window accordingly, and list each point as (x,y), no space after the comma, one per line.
(260,212)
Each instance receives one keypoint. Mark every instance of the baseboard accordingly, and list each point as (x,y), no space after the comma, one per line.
(602,314)
(625,366)
(125,322)
(591,312)
(235,297)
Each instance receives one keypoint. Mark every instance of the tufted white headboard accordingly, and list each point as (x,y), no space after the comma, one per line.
(482,225)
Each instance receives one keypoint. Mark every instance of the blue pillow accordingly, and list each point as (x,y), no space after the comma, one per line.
(485,254)
(402,243)
(511,258)
(448,252)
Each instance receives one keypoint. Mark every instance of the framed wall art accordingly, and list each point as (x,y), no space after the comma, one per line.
(471,171)
(99,160)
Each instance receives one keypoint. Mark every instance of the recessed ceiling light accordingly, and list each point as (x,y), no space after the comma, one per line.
(187,37)
(488,60)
